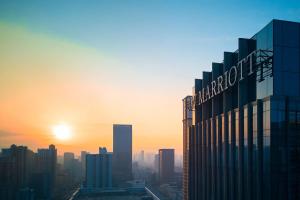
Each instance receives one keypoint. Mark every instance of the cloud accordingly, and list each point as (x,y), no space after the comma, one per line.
(5,133)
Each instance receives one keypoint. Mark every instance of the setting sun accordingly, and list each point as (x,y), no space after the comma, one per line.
(62,131)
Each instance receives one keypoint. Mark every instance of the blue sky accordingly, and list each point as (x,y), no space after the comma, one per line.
(183,36)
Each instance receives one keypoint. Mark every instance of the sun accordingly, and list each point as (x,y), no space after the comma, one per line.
(62,131)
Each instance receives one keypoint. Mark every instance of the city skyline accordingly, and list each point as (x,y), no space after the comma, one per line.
(92,65)
(150,100)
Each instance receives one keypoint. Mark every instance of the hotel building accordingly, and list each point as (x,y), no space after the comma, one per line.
(244,141)
(187,122)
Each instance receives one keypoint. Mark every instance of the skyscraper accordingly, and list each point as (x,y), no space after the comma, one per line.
(244,140)
(45,172)
(187,122)
(83,163)
(142,157)
(72,166)
(68,160)
(156,163)
(27,175)
(122,153)
(16,165)
(166,165)
(99,170)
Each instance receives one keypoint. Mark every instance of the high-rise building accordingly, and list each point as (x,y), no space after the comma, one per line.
(83,163)
(244,140)
(6,178)
(142,157)
(72,167)
(68,160)
(43,178)
(122,153)
(16,166)
(166,165)
(187,122)
(27,175)
(156,163)
(156,167)
(99,170)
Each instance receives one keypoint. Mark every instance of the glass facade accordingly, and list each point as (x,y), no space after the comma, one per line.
(186,122)
(249,134)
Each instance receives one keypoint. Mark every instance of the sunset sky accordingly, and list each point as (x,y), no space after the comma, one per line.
(90,64)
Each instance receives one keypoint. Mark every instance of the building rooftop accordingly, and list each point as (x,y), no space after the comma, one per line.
(114,194)
(116,197)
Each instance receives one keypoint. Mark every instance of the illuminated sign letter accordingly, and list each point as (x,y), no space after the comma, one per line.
(241,67)
(220,86)
(223,82)
(200,98)
(203,95)
(251,62)
(226,80)
(207,92)
(233,68)
(213,88)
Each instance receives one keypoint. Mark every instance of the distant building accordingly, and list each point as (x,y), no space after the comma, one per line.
(99,170)
(76,171)
(43,178)
(186,122)
(60,160)
(82,157)
(156,163)
(142,157)
(156,167)
(72,166)
(6,178)
(122,149)
(166,165)
(16,167)
(68,160)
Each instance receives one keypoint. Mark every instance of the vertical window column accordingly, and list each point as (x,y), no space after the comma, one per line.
(248,154)
(219,158)
(213,158)
(204,163)
(241,151)
(236,155)
(232,154)
(259,124)
(199,156)
(225,149)
(208,149)
(266,149)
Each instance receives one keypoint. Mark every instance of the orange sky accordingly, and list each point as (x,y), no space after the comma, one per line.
(47,80)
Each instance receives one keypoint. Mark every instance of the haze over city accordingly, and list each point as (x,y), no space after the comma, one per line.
(89,65)
(150,100)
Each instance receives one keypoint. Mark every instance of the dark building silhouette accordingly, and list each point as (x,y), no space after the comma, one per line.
(186,122)
(68,160)
(43,177)
(245,137)
(122,153)
(16,167)
(83,164)
(99,170)
(73,167)
(166,165)
(156,163)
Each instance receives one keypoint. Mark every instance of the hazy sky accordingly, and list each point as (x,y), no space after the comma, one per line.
(90,64)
